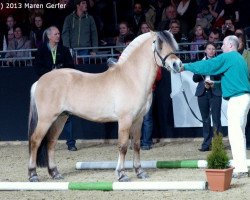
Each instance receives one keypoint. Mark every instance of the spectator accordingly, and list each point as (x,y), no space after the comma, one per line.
(36,33)
(10,37)
(136,18)
(215,7)
(159,6)
(231,10)
(198,39)
(228,27)
(169,14)
(144,28)
(246,54)
(79,30)
(123,31)
(204,19)
(214,37)
(10,23)
(150,15)
(52,55)
(174,28)
(236,89)
(35,11)
(208,93)
(187,11)
(20,42)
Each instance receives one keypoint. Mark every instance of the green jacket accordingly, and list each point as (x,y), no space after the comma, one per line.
(232,66)
(79,31)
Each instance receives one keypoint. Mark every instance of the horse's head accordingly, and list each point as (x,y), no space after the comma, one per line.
(164,47)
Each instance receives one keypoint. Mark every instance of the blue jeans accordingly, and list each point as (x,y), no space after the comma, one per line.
(84,52)
(68,129)
(147,128)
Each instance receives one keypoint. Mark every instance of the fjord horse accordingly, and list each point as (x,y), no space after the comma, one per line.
(123,93)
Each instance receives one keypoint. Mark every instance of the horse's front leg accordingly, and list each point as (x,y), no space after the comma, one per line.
(136,134)
(123,138)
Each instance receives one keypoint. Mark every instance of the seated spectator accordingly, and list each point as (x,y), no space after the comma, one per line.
(10,23)
(198,39)
(169,14)
(20,42)
(36,33)
(10,37)
(144,28)
(174,28)
(123,31)
(35,11)
(204,19)
(228,27)
(214,37)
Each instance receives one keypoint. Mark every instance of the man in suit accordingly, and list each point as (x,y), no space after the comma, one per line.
(52,55)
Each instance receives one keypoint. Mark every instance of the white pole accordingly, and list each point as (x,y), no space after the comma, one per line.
(112,165)
(171,185)
(33,186)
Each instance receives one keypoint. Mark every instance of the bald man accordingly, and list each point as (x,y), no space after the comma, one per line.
(236,89)
(52,55)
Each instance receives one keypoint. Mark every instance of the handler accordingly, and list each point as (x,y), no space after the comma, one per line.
(235,89)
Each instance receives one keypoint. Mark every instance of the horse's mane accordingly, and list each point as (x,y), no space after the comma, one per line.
(162,36)
(134,45)
(168,38)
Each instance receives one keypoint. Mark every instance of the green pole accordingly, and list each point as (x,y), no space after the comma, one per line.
(177,164)
(104,186)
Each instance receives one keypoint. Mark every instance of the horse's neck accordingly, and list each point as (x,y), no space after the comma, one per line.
(141,68)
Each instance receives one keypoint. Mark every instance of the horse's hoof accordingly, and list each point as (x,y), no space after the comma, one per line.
(123,178)
(34,179)
(142,175)
(58,177)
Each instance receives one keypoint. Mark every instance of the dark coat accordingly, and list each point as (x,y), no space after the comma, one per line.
(216,90)
(44,60)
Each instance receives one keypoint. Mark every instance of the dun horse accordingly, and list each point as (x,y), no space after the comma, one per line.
(123,93)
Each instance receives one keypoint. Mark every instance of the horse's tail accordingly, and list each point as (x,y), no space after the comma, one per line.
(42,155)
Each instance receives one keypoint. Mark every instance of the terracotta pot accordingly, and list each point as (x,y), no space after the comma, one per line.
(219,179)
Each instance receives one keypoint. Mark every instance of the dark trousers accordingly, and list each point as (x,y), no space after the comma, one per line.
(206,102)
(68,130)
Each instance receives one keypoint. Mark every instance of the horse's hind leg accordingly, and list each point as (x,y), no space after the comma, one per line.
(35,142)
(136,133)
(52,137)
(123,137)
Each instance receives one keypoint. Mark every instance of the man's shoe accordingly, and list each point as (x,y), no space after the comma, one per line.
(146,147)
(72,148)
(203,150)
(240,175)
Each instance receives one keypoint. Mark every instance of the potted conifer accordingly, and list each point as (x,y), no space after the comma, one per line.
(219,172)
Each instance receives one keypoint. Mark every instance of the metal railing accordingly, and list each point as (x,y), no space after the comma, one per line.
(101,56)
